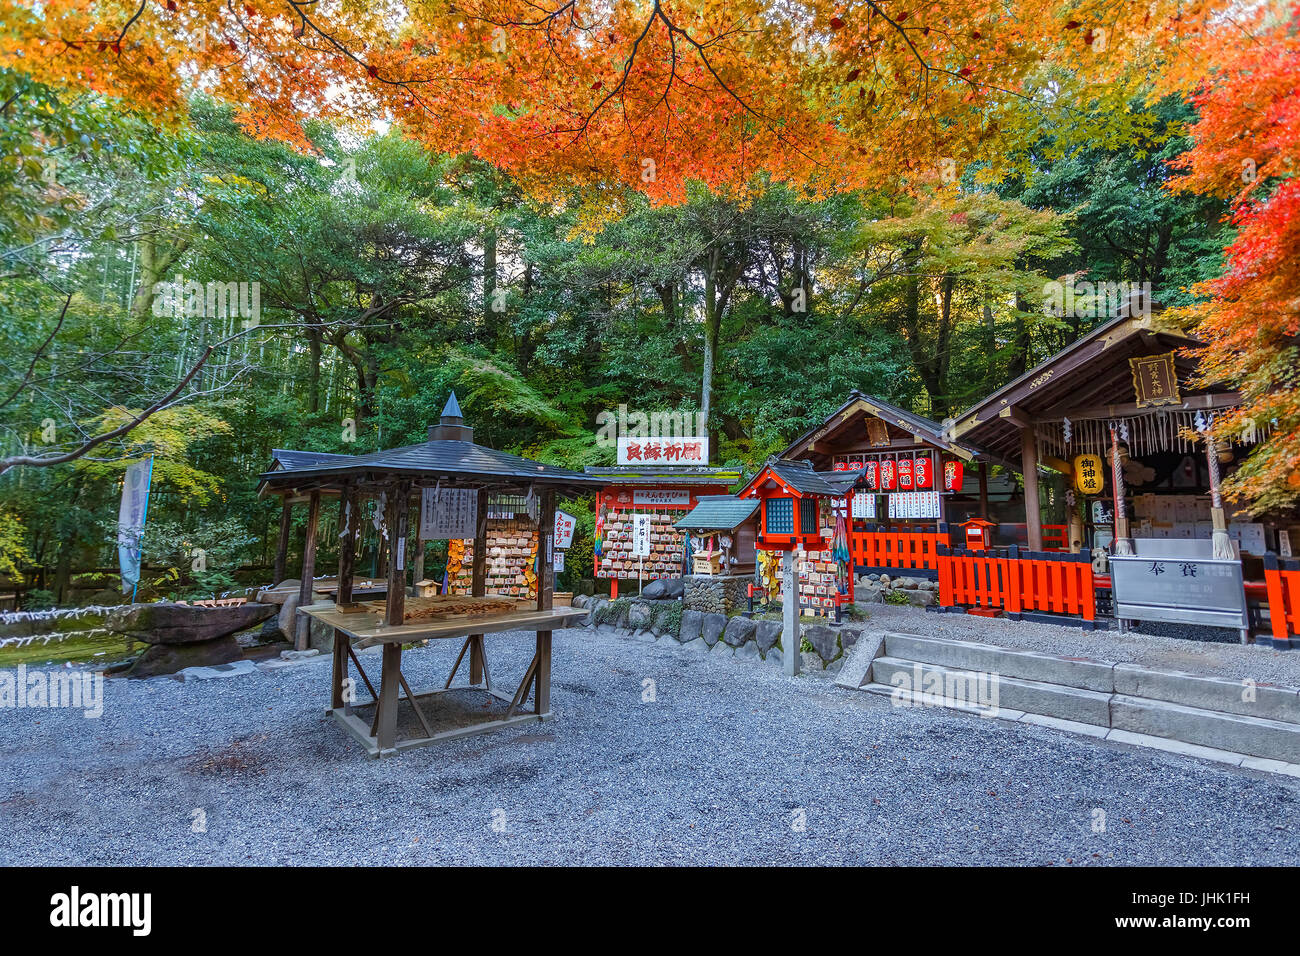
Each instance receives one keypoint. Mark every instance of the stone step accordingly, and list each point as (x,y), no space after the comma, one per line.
(1244,698)
(1006,661)
(1257,736)
(1012,693)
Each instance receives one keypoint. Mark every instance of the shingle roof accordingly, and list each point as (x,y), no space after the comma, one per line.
(718,513)
(438,459)
(288,458)
(800,476)
(927,429)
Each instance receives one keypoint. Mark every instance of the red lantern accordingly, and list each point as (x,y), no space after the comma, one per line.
(923,472)
(841,466)
(905,474)
(873,475)
(952,476)
(888,477)
(855,465)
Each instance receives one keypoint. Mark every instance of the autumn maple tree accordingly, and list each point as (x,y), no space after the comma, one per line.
(647,94)
(1247,150)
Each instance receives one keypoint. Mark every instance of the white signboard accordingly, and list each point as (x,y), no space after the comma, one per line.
(448,513)
(864,505)
(661,498)
(564,525)
(641,536)
(559,562)
(693,450)
(915,504)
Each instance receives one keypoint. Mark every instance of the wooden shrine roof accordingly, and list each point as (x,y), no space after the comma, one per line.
(907,430)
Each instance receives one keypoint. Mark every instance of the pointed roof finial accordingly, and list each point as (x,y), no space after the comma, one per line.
(452,408)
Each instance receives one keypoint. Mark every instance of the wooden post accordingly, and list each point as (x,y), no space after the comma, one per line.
(984,490)
(791,639)
(395,614)
(545,597)
(303,631)
(349,528)
(478,584)
(417,542)
(396,520)
(282,545)
(1029,466)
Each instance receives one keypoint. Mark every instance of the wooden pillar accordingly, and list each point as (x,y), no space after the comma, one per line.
(478,584)
(545,597)
(1029,466)
(282,545)
(417,542)
(984,490)
(395,603)
(349,530)
(397,523)
(303,631)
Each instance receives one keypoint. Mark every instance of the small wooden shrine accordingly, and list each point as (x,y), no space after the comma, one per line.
(446,484)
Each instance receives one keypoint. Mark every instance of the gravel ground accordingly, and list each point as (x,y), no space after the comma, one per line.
(1236,661)
(730,763)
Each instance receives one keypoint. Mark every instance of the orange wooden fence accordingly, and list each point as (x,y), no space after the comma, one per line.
(881,547)
(1282,578)
(1047,586)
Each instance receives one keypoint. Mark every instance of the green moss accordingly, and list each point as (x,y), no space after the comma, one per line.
(895,597)
(615,612)
(668,618)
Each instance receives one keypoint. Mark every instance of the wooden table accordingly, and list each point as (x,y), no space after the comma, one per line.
(364,629)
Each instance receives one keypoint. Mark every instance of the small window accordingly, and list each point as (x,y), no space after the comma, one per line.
(807,515)
(780,516)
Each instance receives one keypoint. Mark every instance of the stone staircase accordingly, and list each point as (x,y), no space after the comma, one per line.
(1256,726)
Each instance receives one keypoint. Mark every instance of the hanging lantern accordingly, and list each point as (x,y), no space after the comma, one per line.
(888,476)
(873,475)
(905,474)
(1089,474)
(953,475)
(923,472)
(841,466)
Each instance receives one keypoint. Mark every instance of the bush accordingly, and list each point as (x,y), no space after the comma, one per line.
(38,599)
(614,612)
(895,597)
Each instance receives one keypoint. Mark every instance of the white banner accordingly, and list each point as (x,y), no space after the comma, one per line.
(641,536)
(864,505)
(693,450)
(131,516)
(448,513)
(564,525)
(559,562)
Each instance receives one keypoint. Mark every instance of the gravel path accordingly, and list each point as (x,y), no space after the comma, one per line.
(721,767)
(1237,661)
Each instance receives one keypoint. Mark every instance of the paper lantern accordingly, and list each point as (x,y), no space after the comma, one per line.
(923,472)
(1089,474)
(841,466)
(888,476)
(873,475)
(953,475)
(905,474)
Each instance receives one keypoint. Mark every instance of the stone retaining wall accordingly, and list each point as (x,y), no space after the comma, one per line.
(719,634)
(717,593)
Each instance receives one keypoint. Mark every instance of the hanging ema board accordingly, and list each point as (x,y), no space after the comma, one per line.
(1178,582)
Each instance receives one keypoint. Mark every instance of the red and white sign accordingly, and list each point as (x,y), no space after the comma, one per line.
(888,475)
(564,525)
(923,472)
(661,498)
(873,475)
(663,451)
